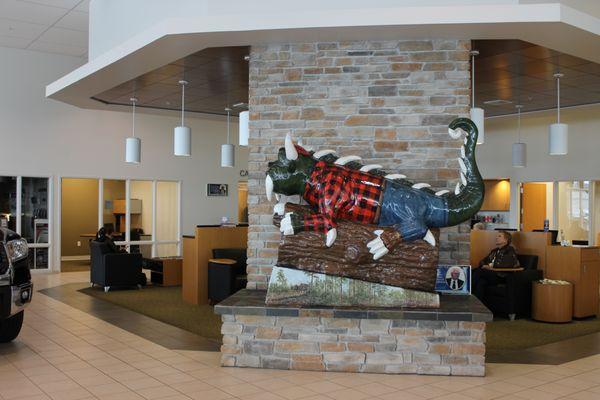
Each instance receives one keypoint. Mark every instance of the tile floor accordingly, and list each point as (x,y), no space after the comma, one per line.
(66,354)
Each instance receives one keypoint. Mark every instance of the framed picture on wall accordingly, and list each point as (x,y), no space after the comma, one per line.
(217,189)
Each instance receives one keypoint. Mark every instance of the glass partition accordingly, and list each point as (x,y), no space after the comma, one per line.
(574,210)
(141,206)
(113,204)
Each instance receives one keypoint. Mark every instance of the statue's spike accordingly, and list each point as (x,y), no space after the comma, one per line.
(462,151)
(463,167)
(463,179)
(442,192)
(421,185)
(323,153)
(290,150)
(346,159)
(395,176)
(367,168)
(457,189)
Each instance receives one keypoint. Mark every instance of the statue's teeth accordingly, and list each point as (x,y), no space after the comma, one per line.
(421,185)
(462,151)
(463,167)
(457,189)
(323,153)
(367,168)
(395,176)
(463,179)
(465,140)
(346,159)
(442,192)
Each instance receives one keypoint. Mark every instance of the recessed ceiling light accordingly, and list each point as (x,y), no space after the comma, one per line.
(497,102)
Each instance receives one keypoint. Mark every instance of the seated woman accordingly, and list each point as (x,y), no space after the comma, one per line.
(105,235)
(503,256)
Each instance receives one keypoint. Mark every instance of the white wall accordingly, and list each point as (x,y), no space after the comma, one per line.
(582,161)
(43,137)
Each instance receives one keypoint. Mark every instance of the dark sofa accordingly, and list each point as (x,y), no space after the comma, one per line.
(110,269)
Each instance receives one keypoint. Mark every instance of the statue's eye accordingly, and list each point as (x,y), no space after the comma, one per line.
(292,167)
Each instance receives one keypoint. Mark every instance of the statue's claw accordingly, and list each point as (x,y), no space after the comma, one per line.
(330,238)
(429,238)
(286,226)
(377,247)
(279,209)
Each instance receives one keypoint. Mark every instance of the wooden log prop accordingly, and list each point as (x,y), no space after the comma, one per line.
(410,265)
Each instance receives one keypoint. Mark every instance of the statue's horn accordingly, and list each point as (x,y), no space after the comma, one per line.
(290,150)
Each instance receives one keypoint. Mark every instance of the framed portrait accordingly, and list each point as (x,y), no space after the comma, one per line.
(453,279)
(217,189)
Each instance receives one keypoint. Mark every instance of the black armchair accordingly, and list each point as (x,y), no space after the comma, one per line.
(110,269)
(512,296)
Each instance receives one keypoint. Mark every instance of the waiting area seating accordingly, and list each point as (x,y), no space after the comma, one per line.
(109,269)
(512,295)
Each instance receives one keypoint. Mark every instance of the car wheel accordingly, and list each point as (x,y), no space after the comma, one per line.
(10,327)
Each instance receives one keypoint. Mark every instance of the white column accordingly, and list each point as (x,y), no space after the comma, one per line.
(19,205)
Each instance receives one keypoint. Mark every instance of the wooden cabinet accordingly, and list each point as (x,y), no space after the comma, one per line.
(581,267)
(119,206)
(497,195)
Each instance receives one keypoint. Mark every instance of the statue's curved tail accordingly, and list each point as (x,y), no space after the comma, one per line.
(468,195)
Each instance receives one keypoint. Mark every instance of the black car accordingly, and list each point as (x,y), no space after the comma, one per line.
(16,288)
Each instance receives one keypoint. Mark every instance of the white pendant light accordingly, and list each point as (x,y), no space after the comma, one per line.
(133,145)
(227,150)
(182,135)
(477,114)
(519,149)
(558,133)
(244,130)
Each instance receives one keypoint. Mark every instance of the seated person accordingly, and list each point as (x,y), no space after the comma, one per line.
(105,235)
(503,256)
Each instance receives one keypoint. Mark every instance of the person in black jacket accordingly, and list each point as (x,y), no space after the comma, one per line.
(105,235)
(488,274)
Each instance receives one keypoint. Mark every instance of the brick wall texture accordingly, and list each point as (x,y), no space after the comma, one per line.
(354,345)
(387,101)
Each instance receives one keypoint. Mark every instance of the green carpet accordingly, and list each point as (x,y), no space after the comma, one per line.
(524,333)
(165,304)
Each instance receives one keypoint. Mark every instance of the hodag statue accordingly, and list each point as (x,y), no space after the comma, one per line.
(342,189)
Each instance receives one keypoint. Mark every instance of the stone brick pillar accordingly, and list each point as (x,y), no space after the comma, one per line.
(387,101)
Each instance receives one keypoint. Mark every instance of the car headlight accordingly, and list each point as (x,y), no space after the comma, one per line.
(16,249)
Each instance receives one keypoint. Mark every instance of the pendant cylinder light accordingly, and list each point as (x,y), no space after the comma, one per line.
(244,130)
(227,150)
(133,145)
(558,134)
(519,149)
(182,135)
(477,114)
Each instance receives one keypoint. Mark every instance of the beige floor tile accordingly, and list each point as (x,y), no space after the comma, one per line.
(428,391)
(348,394)
(323,387)
(401,395)
(294,392)
(534,394)
(585,395)
(158,392)
(212,394)
(376,389)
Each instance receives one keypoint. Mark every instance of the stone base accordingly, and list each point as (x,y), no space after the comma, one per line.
(431,343)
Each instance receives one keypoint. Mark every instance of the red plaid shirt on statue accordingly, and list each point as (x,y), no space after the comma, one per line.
(340,192)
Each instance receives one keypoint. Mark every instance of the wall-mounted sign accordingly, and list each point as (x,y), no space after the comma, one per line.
(217,189)
(243,172)
(454,279)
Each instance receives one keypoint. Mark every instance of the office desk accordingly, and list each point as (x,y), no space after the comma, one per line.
(579,265)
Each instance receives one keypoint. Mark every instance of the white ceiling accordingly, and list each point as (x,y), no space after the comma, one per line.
(51,26)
